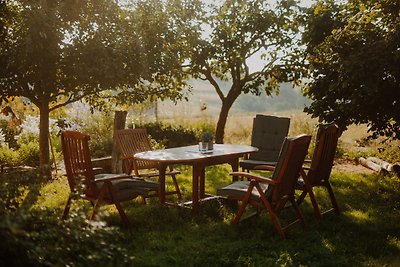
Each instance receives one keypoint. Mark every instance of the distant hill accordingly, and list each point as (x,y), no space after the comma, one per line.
(203,93)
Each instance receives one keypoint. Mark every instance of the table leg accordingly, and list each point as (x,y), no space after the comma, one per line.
(161,180)
(195,187)
(202,182)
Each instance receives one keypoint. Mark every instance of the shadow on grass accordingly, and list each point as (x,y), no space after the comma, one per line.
(366,233)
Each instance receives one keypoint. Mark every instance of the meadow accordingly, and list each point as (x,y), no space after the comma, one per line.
(365,233)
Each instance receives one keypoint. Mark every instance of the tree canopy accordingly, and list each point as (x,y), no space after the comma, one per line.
(58,52)
(354,55)
(239,31)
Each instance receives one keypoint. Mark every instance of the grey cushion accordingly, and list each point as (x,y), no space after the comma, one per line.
(126,187)
(268,135)
(238,190)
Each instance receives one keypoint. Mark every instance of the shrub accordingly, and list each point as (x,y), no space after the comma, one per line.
(9,134)
(28,154)
(36,238)
(170,135)
(99,126)
(8,156)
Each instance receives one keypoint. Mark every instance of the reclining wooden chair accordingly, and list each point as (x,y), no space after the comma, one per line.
(272,193)
(320,167)
(268,135)
(101,188)
(132,141)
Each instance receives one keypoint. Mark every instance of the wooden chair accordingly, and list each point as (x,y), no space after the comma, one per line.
(132,141)
(268,135)
(275,192)
(101,188)
(320,167)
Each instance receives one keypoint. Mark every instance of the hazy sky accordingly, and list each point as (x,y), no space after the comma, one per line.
(255,63)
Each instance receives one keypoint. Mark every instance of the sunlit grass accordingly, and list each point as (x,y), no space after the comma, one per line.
(366,233)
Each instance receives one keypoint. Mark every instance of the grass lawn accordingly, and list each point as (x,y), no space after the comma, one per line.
(366,233)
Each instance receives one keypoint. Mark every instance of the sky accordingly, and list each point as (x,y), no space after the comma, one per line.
(255,63)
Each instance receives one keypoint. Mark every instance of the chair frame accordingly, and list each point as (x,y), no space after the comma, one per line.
(79,169)
(319,171)
(132,141)
(276,202)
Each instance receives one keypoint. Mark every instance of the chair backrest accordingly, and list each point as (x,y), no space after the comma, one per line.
(287,169)
(324,153)
(132,141)
(268,135)
(77,160)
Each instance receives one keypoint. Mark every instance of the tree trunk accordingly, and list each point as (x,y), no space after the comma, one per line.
(119,123)
(44,153)
(223,116)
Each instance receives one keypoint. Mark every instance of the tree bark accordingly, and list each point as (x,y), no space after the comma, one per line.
(119,123)
(223,116)
(44,153)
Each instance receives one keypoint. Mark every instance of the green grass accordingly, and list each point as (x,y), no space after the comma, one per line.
(366,233)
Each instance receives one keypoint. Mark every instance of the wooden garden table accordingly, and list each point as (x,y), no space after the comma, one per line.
(190,155)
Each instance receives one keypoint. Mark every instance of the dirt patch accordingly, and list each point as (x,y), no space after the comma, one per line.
(351,167)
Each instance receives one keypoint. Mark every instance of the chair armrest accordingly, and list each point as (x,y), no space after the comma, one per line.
(265,167)
(254,177)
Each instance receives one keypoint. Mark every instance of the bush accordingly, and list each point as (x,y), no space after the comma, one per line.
(99,126)
(8,156)
(36,238)
(170,135)
(9,134)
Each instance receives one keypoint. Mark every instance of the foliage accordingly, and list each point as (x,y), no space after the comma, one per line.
(15,187)
(54,53)
(354,54)
(169,135)
(28,154)
(206,136)
(8,157)
(36,238)
(241,30)
(99,126)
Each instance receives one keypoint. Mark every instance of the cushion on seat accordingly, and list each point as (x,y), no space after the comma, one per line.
(238,190)
(125,187)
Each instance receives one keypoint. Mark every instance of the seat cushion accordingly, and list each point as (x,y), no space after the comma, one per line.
(238,190)
(129,187)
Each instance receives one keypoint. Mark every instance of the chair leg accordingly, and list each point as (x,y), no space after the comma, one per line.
(317,211)
(97,204)
(242,207)
(301,197)
(178,191)
(95,210)
(298,212)
(66,208)
(332,197)
(272,214)
(122,214)
(241,210)
(276,222)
